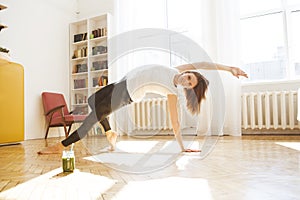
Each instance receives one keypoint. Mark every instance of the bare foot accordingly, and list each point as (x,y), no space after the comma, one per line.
(54,149)
(112,139)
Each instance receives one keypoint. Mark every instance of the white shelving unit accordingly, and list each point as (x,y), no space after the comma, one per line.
(88,59)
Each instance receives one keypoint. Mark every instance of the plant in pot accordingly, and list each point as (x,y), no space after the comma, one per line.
(4,50)
(4,54)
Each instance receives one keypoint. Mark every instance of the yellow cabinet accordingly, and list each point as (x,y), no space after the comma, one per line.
(11,102)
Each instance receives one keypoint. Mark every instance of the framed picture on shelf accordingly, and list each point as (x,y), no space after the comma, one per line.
(99,50)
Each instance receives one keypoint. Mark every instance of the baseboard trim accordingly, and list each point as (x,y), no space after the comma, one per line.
(270,132)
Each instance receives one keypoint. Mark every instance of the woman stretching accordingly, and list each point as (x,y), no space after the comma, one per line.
(134,86)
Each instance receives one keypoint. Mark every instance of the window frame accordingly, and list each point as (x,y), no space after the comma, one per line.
(286,11)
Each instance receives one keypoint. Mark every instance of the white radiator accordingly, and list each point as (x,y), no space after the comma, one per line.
(270,110)
(151,114)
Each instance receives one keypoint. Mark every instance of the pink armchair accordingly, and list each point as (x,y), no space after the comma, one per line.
(57,113)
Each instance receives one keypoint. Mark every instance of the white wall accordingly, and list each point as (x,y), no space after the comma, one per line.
(37,37)
(90,8)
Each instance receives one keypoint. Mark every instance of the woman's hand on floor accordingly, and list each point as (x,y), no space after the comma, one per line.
(192,150)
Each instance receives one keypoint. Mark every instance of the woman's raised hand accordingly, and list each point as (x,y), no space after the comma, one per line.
(237,72)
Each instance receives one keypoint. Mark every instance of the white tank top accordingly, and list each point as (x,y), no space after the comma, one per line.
(151,79)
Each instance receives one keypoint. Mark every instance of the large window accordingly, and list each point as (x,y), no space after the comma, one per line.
(270,39)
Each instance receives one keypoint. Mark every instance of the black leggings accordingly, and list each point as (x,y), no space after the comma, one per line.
(103,102)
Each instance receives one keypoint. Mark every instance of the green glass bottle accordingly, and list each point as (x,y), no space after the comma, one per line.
(68,161)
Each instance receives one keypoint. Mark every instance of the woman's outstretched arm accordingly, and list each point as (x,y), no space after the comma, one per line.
(235,71)
(172,105)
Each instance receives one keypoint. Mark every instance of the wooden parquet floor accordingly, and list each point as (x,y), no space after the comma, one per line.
(237,168)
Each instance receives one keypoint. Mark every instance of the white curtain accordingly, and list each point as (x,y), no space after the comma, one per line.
(210,23)
(227,15)
(220,39)
(298,114)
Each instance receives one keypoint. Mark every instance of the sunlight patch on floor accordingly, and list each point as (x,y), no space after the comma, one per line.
(292,145)
(136,146)
(58,185)
(183,161)
(154,146)
(166,188)
(144,156)
(138,156)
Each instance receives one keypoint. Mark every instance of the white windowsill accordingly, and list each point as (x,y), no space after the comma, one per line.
(271,82)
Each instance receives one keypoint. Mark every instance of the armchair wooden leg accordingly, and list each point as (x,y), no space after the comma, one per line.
(47,131)
(69,129)
(48,126)
(65,128)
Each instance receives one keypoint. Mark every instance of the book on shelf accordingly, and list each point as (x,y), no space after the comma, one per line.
(79,68)
(80,83)
(99,50)
(80,53)
(80,98)
(100,81)
(100,32)
(95,82)
(103,80)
